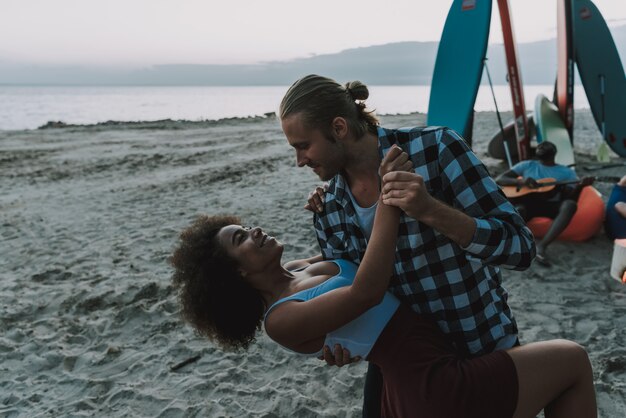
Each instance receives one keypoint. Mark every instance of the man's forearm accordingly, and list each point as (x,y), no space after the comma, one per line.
(450,222)
(508,181)
(509,178)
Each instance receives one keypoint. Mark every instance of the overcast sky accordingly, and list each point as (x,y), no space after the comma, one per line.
(144,32)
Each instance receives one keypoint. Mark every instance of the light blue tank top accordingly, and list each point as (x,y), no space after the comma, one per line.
(359,335)
(364,216)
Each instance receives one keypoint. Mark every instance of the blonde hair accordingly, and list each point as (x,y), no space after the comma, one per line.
(320,100)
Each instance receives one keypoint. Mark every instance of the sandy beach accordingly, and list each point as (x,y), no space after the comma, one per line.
(89,324)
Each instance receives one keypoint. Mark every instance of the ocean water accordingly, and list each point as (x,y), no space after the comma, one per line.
(28,107)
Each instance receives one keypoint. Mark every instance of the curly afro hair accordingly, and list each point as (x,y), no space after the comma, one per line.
(213,296)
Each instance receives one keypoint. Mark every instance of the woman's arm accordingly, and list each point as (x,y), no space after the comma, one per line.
(295,324)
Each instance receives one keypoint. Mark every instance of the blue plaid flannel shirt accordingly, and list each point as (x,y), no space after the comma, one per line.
(459,288)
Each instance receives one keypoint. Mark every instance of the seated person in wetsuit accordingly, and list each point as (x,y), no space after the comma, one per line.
(231,281)
(615,219)
(559,204)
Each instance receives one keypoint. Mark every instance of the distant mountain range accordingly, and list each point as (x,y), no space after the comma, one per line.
(402,63)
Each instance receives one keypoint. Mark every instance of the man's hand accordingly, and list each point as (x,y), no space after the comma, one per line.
(531,183)
(587,181)
(407,192)
(315,202)
(338,357)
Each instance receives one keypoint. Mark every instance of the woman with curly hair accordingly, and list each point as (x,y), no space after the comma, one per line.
(231,280)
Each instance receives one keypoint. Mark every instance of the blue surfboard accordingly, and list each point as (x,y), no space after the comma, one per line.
(459,66)
(601,72)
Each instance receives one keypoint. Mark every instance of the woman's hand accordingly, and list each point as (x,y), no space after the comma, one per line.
(408,192)
(315,202)
(395,160)
(338,357)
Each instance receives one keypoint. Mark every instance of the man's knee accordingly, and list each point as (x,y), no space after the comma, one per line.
(574,354)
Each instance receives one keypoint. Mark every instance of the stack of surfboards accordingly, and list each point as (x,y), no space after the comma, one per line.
(584,38)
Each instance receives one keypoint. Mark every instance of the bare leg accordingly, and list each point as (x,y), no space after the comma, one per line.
(555,375)
(566,213)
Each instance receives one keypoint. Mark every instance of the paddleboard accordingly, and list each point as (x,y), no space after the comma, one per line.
(550,127)
(495,149)
(515,82)
(601,72)
(565,65)
(459,66)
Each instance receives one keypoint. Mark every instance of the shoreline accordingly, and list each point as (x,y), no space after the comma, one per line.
(31,107)
(181,123)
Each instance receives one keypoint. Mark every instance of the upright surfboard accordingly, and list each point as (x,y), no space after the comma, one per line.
(522,134)
(601,72)
(565,65)
(459,66)
(550,127)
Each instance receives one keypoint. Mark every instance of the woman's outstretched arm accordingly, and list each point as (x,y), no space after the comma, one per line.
(295,324)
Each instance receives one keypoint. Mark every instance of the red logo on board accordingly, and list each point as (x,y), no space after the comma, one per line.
(468,5)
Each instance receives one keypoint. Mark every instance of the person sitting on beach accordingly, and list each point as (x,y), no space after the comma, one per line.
(231,280)
(559,204)
(615,217)
(457,228)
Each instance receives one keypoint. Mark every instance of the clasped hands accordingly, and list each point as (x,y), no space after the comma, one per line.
(402,188)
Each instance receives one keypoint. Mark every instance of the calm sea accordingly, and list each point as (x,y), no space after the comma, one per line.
(25,107)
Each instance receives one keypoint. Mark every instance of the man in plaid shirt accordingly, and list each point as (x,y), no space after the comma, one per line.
(456,230)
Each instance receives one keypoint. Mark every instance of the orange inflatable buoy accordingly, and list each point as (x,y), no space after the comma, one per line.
(586,222)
